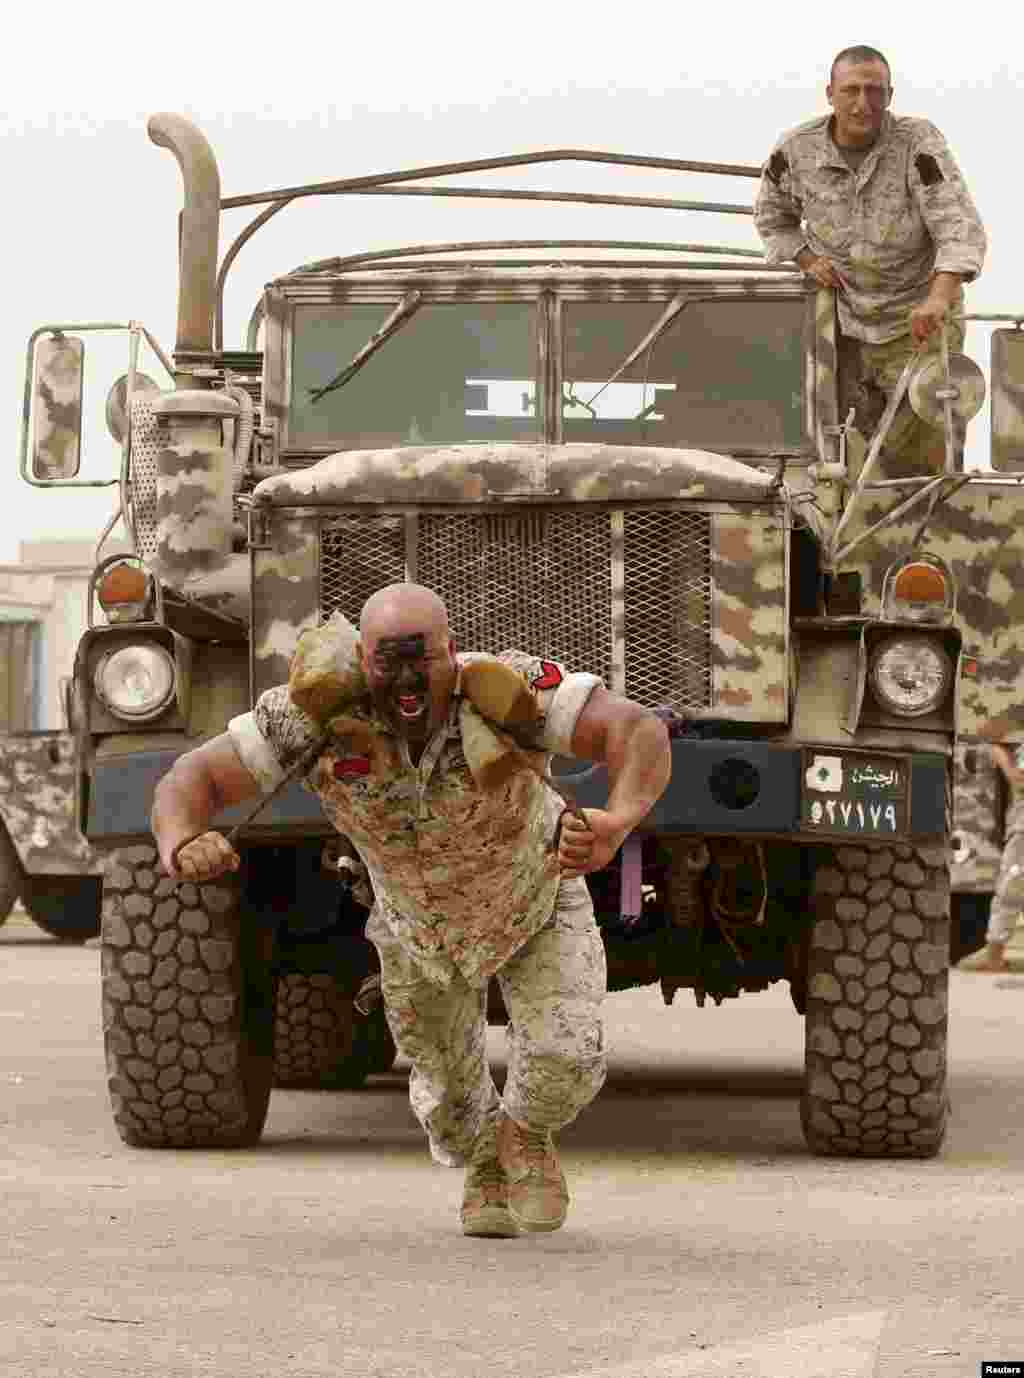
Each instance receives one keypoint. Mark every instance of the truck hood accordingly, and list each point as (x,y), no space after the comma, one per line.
(483,473)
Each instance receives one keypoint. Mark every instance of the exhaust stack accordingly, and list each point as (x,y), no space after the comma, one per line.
(195,471)
(199,227)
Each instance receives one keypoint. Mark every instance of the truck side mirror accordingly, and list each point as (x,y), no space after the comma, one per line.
(1007,374)
(58,369)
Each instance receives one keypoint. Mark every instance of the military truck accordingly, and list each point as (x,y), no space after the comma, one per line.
(624,455)
(44,859)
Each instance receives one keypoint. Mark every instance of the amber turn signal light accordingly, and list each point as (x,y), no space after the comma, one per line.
(920,583)
(123,593)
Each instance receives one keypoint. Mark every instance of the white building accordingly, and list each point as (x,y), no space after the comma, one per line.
(42,616)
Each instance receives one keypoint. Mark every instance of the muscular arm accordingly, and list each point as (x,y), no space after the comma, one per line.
(196,788)
(634,745)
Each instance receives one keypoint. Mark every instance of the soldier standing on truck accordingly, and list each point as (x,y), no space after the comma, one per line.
(873,205)
(468,886)
(1008,898)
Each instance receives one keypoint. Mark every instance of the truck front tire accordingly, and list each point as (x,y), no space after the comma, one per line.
(187,1008)
(876,1020)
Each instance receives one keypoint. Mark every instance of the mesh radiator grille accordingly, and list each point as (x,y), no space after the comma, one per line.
(624,594)
(667,607)
(536,581)
(359,555)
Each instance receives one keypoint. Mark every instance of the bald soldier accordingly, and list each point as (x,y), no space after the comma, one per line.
(469,884)
(873,205)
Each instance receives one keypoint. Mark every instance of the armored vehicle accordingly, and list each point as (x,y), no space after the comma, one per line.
(626,455)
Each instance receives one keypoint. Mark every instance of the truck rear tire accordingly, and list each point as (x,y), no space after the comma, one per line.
(320,1040)
(875,1033)
(187,1008)
(66,907)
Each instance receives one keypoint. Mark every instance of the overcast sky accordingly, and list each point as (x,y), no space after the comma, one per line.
(305,92)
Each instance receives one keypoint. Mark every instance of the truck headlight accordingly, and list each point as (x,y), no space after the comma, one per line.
(136,683)
(910,676)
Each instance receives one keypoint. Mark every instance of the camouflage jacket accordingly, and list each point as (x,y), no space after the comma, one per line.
(461,876)
(903,215)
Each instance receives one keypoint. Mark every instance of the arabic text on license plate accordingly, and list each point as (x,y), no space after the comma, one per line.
(854,794)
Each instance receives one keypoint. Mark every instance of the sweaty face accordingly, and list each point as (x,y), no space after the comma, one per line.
(411,677)
(859,95)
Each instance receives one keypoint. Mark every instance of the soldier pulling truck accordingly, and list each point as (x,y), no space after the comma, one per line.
(636,462)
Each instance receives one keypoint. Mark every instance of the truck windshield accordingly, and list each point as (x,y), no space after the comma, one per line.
(723,375)
(454,373)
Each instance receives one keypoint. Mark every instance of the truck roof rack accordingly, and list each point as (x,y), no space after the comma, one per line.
(394,184)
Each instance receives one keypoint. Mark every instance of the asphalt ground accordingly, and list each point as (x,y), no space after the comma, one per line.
(703,1238)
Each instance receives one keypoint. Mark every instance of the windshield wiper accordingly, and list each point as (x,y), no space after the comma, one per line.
(664,320)
(402,313)
(571,400)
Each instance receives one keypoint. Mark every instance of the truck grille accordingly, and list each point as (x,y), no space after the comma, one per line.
(623,592)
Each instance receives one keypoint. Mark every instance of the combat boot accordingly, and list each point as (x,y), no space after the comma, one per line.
(485,1207)
(538,1196)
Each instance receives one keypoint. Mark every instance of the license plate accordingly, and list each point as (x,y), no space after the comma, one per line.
(854,794)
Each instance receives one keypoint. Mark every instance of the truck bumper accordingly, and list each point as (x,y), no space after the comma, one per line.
(810,793)
(717,787)
(120,795)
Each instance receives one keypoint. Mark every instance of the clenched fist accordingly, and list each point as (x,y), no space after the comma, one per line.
(585,847)
(202,858)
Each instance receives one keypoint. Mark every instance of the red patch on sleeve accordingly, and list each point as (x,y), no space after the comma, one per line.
(550,676)
(349,767)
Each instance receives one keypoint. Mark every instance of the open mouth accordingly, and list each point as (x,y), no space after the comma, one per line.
(411,706)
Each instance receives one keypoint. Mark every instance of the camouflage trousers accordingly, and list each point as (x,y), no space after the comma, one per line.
(553,988)
(868,375)
(1008,900)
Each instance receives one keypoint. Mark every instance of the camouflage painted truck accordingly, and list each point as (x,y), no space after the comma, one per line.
(44,859)
(631,460)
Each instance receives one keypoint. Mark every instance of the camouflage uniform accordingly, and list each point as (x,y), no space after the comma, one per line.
(1008,900)
(903,215)
(467,887)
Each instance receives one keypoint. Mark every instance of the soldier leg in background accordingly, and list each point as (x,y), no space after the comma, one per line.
(553,989)
(868,375)
(1007,905)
